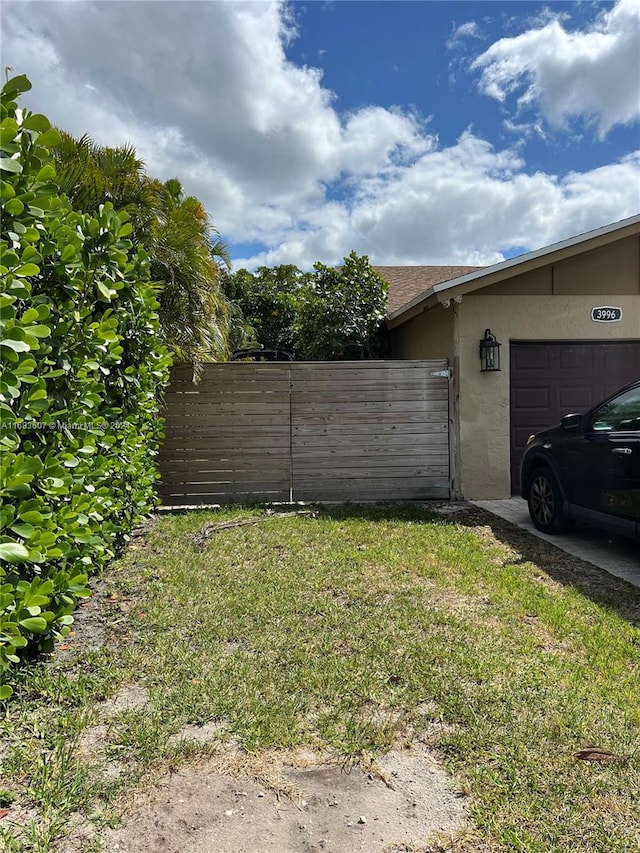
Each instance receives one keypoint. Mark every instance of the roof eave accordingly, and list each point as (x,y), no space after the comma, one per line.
(446,290)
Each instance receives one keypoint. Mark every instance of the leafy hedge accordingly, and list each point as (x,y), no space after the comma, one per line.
(82,368)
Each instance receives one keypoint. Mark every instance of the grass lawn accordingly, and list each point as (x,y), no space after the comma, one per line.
(348,630)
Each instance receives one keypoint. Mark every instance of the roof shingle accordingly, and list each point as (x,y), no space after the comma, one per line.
(405,283)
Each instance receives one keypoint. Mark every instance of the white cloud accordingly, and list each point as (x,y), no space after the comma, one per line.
(592,74)
(206,93)
(374,137)
(468,30)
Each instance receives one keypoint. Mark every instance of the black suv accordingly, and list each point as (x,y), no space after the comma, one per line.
(587,468)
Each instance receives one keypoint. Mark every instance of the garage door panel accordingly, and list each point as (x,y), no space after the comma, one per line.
(532,398)
(575,358)
(574,399)
(551,379)
(623,360)
(531,358)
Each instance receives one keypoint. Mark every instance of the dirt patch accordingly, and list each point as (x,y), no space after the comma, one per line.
(131,697)
(91,622)
(94,618)
(92,748)
(335,809)
(18,820)
(199,734)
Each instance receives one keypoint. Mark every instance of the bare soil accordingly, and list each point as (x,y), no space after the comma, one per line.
(406,802)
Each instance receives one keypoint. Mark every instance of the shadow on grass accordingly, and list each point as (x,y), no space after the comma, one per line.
(603,589)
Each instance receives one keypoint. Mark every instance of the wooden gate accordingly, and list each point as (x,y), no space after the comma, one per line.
(333,431)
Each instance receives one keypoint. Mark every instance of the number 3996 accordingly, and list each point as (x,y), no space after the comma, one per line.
(606,314)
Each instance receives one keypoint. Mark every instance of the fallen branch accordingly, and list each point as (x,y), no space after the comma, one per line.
(201,538)
(598,753)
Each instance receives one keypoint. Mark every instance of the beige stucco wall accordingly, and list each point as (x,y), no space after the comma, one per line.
(610,269)
(484,397)
(429,335)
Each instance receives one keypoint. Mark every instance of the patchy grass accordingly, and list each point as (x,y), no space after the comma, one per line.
(345,631)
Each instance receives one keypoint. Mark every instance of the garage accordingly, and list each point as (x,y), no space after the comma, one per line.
(551,379)
(565,321)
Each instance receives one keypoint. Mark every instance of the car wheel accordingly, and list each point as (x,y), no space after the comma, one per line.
(545,503)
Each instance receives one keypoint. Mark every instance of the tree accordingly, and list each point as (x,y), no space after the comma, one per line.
(90,175)
(341,314)
(187,255)
(269,301)
(194,312)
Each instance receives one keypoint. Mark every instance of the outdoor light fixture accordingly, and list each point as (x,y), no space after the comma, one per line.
(489,352)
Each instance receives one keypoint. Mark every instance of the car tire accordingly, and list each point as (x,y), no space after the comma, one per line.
(545,503)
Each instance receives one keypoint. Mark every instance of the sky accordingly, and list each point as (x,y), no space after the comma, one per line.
(413,132)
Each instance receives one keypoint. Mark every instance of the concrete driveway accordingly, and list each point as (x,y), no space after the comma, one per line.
(615,554)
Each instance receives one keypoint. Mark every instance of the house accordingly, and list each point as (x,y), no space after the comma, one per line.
(568,321)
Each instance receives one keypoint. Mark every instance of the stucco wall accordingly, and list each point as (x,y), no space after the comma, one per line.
(484,397)
(613,269)
(429,335)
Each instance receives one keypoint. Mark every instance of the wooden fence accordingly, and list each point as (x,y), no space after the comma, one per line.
(333,431)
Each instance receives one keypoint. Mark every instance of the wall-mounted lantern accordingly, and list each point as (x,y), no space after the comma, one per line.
(489,352)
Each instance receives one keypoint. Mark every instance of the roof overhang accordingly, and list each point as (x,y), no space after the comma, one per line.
(455,288)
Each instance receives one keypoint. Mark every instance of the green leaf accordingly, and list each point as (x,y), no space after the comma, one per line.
(29,316)
(26,365)
(7,164)
(34,623)
(16,85)
(10,259)
(16,346)
(20,490)
(106,291)
(47,173)
(5,692)
(14,207)
(28,270)
(36,121)
(6,190)
(24,530)
(13,552)
(49,138)
(38,330)
(8,130)
(44,311)
(30,253)
(32,516)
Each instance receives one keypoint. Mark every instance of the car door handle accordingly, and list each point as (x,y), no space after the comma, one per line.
(625,451)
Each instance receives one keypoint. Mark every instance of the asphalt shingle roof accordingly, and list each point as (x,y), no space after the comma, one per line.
(405,283)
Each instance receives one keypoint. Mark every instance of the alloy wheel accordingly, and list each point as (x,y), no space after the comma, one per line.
(542,500)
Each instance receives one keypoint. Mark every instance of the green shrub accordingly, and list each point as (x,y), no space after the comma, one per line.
(83,364)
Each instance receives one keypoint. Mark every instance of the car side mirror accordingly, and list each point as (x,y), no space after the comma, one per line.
(571,423)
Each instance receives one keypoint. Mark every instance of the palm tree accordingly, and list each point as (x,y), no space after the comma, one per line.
(90,174)
(187,254)
(189,257)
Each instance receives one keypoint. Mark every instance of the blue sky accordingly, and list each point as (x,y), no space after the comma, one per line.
(406,53)
(414,132)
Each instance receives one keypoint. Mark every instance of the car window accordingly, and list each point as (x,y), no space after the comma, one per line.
(621,413)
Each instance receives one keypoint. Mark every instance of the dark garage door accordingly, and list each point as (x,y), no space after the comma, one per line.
(549,380)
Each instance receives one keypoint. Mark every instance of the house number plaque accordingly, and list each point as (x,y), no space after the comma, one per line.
(606,314)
